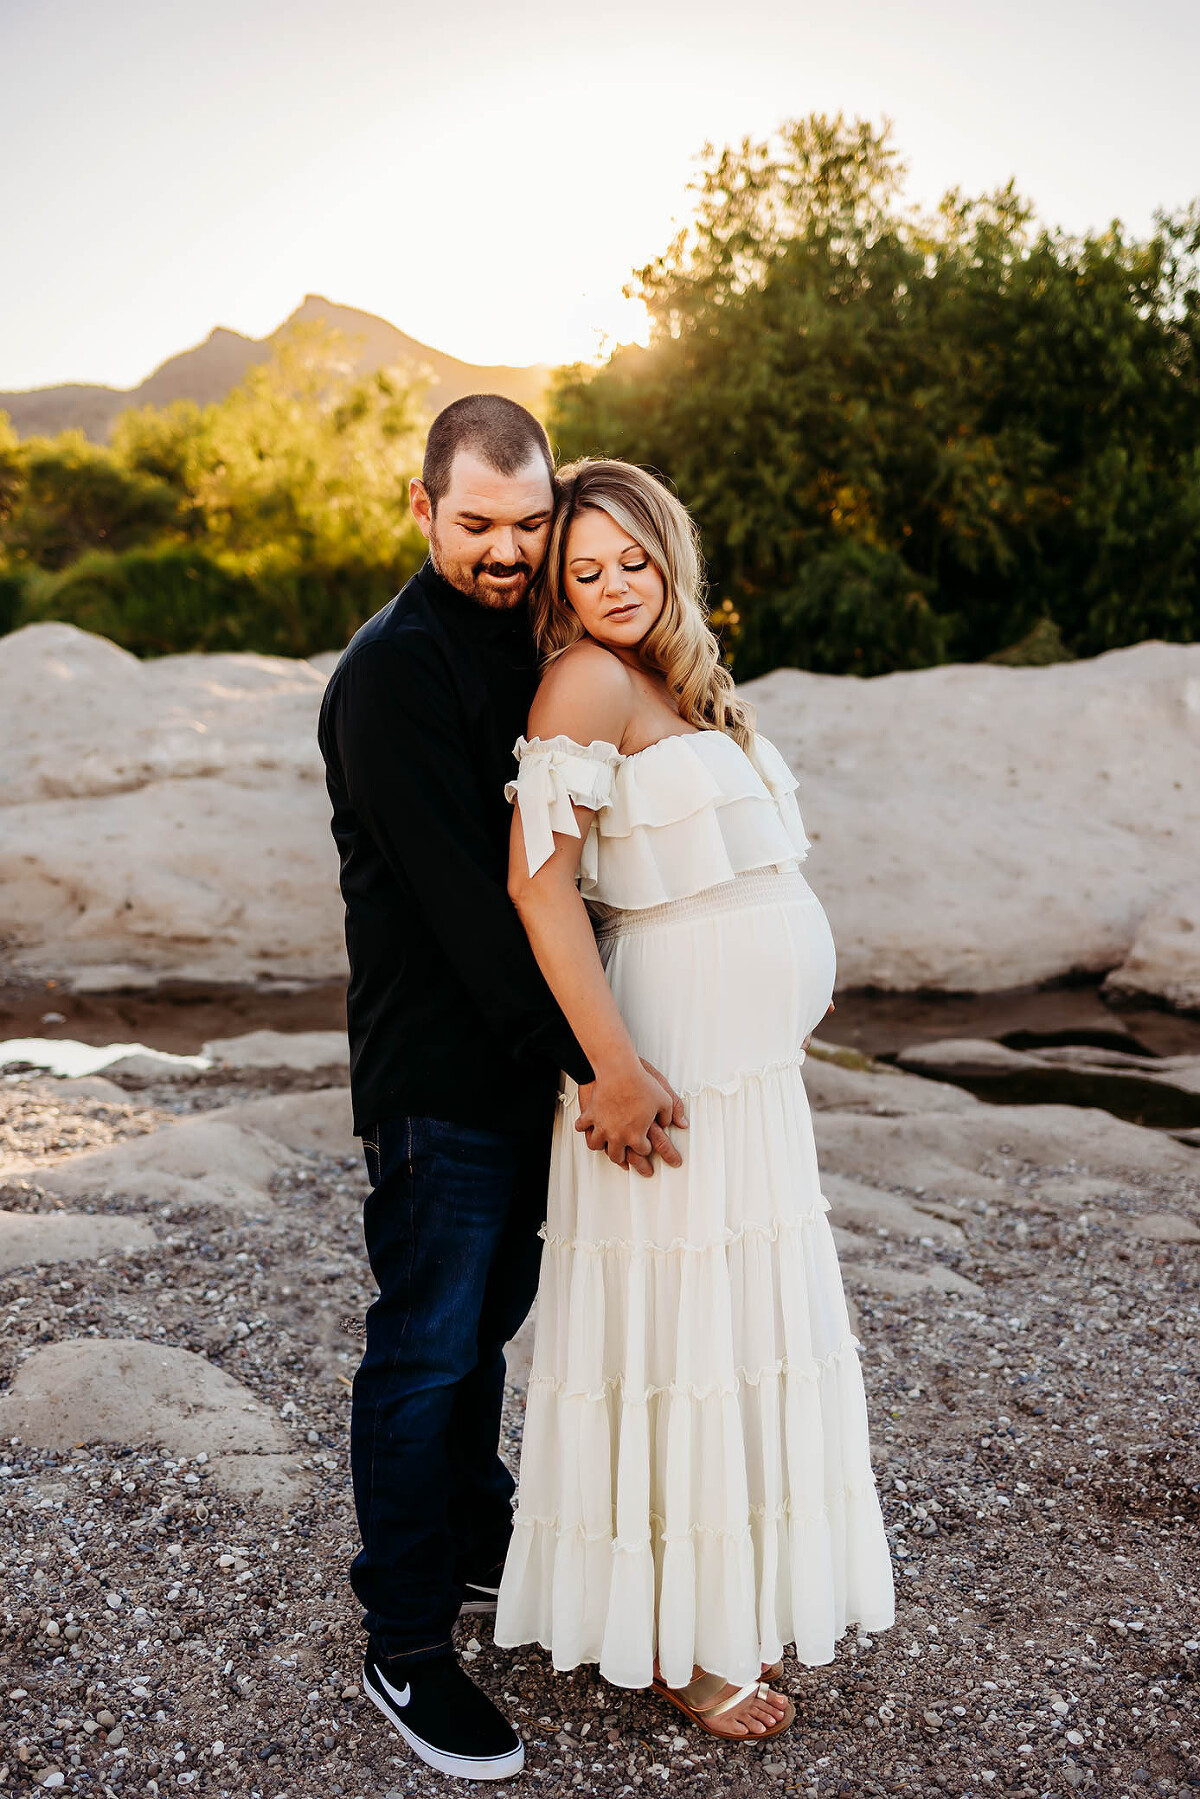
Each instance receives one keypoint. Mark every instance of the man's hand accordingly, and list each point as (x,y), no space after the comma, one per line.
(624,1112)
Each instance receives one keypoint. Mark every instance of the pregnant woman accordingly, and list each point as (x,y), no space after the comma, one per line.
(695,1489)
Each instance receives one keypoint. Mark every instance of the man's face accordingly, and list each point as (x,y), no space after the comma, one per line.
(489,534)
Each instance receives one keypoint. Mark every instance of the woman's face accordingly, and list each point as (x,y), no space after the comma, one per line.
(612,585)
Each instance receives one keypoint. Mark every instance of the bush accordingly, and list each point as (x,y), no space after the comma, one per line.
(851,608)
(276,520)
(71,496)
(158,601)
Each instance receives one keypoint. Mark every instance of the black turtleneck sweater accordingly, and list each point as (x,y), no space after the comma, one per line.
(449,1016)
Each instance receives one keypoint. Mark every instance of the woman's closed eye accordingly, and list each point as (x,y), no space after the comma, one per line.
(629,568)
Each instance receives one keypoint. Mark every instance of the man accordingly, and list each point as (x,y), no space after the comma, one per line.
(455,1048)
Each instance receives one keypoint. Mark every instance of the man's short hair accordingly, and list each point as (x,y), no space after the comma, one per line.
(500,433)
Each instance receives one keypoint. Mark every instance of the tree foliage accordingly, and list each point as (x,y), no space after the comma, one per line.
(274,520)
(911,438)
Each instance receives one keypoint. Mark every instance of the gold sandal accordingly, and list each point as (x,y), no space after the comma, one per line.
(699,1701)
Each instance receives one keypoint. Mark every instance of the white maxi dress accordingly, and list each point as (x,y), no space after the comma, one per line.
(695,1478)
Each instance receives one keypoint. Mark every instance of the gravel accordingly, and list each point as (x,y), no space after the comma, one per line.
(1038,1450)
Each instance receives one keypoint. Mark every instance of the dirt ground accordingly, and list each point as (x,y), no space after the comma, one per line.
(1038,1453)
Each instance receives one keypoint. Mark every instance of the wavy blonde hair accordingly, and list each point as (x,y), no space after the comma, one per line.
(679,645)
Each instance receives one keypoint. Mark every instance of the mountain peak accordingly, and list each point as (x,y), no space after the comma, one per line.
(210,370)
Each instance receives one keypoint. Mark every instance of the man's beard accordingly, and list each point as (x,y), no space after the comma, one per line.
(472,580)
(487,596)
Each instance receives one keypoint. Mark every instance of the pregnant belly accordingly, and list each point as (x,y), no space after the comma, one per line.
(726,983)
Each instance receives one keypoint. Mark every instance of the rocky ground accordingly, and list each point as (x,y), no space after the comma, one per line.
(175,1516)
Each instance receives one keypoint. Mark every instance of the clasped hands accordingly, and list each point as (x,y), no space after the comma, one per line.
(625,1112)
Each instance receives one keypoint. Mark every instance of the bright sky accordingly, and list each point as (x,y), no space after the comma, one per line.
(485,173)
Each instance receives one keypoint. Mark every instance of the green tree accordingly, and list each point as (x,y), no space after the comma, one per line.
(68,496)
(907,438)
(279,520)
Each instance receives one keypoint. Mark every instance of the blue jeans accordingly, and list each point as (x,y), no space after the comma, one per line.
(451,1227)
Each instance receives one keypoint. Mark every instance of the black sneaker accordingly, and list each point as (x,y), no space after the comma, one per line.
(444,1717)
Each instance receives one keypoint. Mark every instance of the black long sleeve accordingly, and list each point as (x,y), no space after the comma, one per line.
(449,1015)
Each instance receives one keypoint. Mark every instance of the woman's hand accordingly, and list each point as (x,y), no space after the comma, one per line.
(829,1008)
(625,1111)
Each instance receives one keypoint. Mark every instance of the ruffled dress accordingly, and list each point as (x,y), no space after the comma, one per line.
(695,1477)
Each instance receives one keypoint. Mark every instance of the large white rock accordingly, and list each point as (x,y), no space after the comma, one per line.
(164,818)
(979,827)
(297,1051)
(974,827)
(1165,956)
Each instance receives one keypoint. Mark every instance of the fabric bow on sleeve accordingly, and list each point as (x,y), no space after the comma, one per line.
(555,774)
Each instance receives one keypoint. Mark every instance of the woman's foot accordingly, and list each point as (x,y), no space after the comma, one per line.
(758,1713)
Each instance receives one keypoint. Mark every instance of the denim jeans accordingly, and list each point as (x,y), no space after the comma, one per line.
(451,1228)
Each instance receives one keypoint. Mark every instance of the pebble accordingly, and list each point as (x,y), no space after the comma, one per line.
(105,1720)
(72,1633)
(116,1736)
(113,1601)
(51,1778)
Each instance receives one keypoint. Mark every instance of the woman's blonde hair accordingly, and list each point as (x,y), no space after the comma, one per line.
(679,645)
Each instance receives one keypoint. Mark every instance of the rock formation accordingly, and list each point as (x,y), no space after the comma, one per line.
(975,828)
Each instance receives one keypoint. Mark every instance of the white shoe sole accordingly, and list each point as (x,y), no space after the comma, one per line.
(459,1767)
(476,1605)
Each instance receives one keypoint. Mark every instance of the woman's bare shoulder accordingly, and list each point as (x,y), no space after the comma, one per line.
(585,694)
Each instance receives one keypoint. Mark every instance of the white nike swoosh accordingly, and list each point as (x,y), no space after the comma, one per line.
(399,1698)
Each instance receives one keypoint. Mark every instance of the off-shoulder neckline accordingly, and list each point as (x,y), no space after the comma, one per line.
(601,746)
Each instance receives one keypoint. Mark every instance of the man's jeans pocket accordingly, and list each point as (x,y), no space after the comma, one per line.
(395,1145)
(370,1144)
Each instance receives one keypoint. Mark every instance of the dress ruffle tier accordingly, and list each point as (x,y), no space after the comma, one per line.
(695,1477)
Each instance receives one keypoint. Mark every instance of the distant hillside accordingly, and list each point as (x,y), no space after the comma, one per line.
(209,370)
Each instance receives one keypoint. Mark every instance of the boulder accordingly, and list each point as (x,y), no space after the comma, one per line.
(225,1158)
(1161,1091)
(855,1206)
(975,828)
(205,1161)
(303,1052)
(1164,958)
(982,1154)
(315,1123)
(138,1394)
(1165,1227)
(840,1080)
(62,1091)
(900,1283)
(32,1239)
(162,819)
